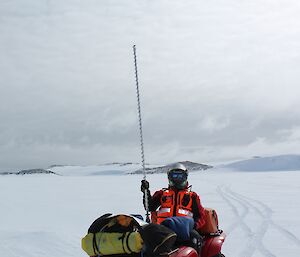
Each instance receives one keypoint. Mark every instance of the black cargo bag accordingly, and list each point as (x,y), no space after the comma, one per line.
(158,239)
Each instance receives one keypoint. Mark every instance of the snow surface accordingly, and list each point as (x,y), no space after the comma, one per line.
(46,215)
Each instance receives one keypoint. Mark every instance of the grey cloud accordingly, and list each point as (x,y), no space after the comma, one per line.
(215,81)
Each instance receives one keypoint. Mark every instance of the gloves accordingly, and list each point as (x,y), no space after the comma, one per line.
(144,185)
(146,193)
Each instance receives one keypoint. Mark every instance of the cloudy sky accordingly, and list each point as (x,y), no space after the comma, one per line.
(219,80)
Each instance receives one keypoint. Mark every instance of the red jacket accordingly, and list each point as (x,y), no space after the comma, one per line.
(194,206)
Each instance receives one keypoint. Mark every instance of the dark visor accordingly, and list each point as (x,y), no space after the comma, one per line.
(177,174)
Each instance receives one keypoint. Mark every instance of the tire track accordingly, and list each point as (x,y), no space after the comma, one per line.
(265,212)
(256,241)
(254,238)
(240,217)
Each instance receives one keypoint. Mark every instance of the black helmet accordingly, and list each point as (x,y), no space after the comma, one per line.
(178,175)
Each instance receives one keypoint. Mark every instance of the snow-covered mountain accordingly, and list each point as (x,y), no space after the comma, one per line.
(116,168)
(28,171)
(191,166)
(120,169)
(94,170)
(273,163)
(80,170)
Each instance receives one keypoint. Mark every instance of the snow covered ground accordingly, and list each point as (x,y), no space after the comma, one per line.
(46,215)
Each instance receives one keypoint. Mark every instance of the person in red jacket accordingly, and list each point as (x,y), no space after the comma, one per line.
(176,200)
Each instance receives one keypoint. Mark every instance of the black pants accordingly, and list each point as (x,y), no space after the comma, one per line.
(196,240)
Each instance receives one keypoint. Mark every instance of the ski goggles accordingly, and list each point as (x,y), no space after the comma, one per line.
(178,175)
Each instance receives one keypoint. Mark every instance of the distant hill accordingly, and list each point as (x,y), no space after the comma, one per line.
(274,163)
(29,171)
(191,166)
(119,168)
(115,168)
(257,163)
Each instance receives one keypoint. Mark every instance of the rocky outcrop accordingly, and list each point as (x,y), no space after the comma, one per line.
(191,166)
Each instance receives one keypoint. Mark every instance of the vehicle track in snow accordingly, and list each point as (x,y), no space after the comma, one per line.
(265,212)
(241,207)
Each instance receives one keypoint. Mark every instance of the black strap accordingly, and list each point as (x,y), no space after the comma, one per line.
(95,247)
(127,242)
(123,237)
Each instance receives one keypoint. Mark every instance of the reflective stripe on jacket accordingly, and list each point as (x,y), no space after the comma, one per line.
(175,204)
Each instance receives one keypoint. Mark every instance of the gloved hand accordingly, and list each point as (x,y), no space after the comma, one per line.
(144,185)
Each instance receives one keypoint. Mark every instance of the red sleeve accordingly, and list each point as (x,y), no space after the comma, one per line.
(198,211)
(154,202)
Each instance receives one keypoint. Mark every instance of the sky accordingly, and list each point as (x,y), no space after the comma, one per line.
(218,80)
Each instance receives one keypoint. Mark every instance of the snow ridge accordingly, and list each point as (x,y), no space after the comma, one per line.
(274,163)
